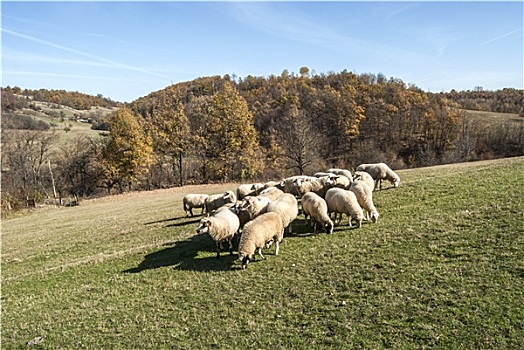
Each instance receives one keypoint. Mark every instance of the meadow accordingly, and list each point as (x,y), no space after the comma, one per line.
(443,268)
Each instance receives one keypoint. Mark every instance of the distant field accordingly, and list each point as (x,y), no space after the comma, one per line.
(493,118)
(66,122)
(443,268)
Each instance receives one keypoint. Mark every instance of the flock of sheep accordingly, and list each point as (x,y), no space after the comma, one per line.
(262,211)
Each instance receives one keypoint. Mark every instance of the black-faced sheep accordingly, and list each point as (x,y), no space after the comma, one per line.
(221,226)
(193,200)
(316,208)
(341,201)
(379,172)
(286,206)
(364,196)
(215,201)
(264,228)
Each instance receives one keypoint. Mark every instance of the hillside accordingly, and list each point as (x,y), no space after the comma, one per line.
(443,267)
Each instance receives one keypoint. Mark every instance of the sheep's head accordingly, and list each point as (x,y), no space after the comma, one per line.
(204,227)
(396,182)
(245,259)
(374,216)
(328,226)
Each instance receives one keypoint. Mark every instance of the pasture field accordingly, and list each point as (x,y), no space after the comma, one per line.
(442,268)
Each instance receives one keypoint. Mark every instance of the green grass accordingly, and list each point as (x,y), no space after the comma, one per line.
(443,268)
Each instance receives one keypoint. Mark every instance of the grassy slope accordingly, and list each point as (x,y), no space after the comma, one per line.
(77,129)
(443,267)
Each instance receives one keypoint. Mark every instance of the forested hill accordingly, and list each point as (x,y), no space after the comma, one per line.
(507,100)
(215,129)
(12,97)
(338,119)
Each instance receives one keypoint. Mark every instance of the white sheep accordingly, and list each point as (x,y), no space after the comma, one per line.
(288,184)
(194,200)
(276,184)
(215,201)
(316,208)
(250,208)
(322,174)
(338,171)
(363,176)
(365,198)
(379,172)
(318,185)
(221,226)
(341,181)
(245,190)
(286,206)
(340,201)
(271,192)
(264,228)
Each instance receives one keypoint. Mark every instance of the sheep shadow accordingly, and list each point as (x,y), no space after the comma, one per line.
(193,220)
(184,255)
(303,228)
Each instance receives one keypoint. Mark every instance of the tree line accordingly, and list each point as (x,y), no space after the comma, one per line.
(215,129)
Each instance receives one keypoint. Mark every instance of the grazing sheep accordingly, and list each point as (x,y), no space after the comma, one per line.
(245,190)
(318,185)
(379,172)
(338,171)
(286,206)
(264,228)
(363,176)
(365,198)
(193,200)
(340,201)
(250,208)
(215,201)
(271,192)
(315,206)
(221,226)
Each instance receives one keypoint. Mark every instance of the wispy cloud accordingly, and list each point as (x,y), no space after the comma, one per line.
(502,36)
(95,59)
(285,24)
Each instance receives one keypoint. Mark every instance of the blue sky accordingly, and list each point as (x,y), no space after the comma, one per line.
(125,50)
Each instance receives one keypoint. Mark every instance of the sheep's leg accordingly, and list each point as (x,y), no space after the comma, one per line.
(277,247)
(231,246)
(218,250)
(260,253)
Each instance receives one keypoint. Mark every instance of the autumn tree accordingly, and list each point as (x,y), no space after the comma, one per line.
(170,134)
(128,153)
(230,136)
